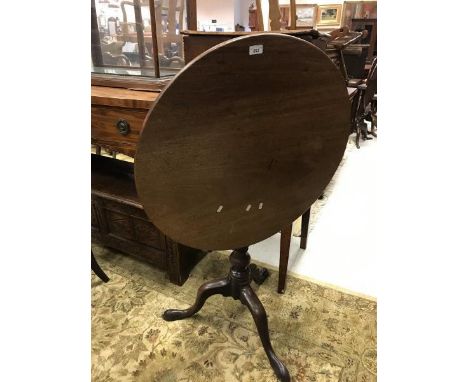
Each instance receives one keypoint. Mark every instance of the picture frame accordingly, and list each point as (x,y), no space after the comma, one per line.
(329,14)
(306,15)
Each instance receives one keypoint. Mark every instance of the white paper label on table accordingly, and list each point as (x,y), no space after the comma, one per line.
(255,49)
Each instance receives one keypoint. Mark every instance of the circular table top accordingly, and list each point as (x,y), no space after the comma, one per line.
(242,141)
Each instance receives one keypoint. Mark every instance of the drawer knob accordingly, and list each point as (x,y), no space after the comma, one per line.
(123,126)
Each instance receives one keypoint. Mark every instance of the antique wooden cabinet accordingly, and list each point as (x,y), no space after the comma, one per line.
(117,116)
(119,221)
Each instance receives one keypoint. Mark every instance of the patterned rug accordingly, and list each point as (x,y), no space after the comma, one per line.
(322,334)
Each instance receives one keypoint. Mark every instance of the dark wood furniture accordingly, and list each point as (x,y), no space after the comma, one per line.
(341,40)
(119,221)
(285,244)
(345,43)
(355,57)
(370,25)
(117,117)
(214,175)
(112,104)
(112,107)
(196,42)
(95,267)
(367,105)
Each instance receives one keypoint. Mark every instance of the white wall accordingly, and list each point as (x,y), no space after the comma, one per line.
(231,12)
(242,17)
(220,10)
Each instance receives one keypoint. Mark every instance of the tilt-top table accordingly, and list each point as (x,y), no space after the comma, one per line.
(240,143)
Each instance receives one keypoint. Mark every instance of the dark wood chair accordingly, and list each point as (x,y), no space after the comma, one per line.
(367,106)
(341,40)
(369,26)
(355,57)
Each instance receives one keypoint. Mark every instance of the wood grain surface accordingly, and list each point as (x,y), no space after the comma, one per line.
(297,32)
(129,82)
(104,130)
(108,96)
(238,146)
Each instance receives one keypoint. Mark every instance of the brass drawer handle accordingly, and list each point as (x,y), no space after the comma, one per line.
(123,126)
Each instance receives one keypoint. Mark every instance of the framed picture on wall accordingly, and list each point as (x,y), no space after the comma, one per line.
(306,15)
(329,15)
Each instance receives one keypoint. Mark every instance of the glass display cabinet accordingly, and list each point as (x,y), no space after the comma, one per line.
(139,37)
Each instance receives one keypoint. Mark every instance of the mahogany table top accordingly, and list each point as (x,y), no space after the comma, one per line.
(242,141)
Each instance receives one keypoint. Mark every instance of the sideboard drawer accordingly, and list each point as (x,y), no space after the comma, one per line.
(116,127)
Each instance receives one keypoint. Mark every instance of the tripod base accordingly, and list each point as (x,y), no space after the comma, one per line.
(237,286)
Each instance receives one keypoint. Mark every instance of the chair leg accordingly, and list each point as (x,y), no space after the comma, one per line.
(284,257)
(359,117)
(358,136)
(373,126)
(305,228)
(354,110)
(374,119)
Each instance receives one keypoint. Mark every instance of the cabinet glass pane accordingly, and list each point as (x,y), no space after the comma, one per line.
(122,36)
(122,43)
(171,18)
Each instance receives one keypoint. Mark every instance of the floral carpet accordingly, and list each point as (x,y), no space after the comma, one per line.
(321,334)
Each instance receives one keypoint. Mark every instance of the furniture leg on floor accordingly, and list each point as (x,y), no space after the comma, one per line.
(305,228)
(374,116)
(237,286)
(97,269)
(258,274)
(367,105)
(285,245)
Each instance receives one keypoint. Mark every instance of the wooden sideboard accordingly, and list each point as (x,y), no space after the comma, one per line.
(117,116)
(119,221)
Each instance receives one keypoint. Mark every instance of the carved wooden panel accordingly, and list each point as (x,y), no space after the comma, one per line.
(94,218)
(119,221)
(145,233)
(119,225)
